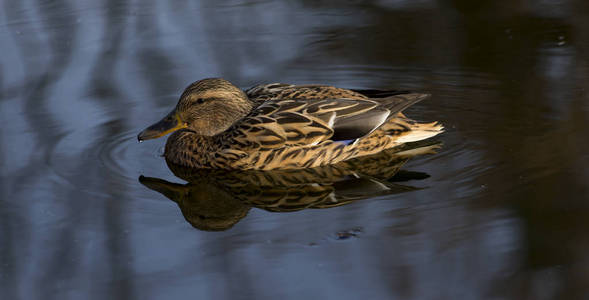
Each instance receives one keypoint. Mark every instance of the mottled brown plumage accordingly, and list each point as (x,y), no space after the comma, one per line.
(280,126)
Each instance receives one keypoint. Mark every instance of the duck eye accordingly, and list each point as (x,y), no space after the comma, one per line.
(200,100)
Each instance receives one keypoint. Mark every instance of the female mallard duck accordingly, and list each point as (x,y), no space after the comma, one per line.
(278,126)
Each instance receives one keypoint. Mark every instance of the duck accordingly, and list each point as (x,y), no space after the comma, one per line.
(216,125)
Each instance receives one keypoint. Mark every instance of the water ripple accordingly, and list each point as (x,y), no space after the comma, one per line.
(118,156)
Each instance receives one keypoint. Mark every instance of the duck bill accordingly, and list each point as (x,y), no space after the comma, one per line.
(168,124)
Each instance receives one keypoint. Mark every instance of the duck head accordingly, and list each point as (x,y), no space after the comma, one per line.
(207,107)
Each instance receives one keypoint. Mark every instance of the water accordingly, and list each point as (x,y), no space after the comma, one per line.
(501,211)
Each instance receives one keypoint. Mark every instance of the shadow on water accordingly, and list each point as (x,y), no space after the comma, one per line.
(216,199)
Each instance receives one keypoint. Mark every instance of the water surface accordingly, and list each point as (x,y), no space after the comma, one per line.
(501,212)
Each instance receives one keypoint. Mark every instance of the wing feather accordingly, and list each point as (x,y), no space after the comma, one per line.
(280,123)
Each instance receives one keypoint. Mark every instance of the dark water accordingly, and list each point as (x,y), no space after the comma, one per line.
(504,213)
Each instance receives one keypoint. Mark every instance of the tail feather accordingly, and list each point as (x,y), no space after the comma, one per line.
(420,131)
(372,93)
(396,104)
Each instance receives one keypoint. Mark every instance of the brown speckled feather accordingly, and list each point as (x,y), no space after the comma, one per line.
(280,123)
(277,91)
(399,125)
(299,134)
(302,126)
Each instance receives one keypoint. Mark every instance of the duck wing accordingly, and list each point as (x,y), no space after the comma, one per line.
(280,123)
(266,90)
(280,91)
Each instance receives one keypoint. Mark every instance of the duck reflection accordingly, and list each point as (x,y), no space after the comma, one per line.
(215,200)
